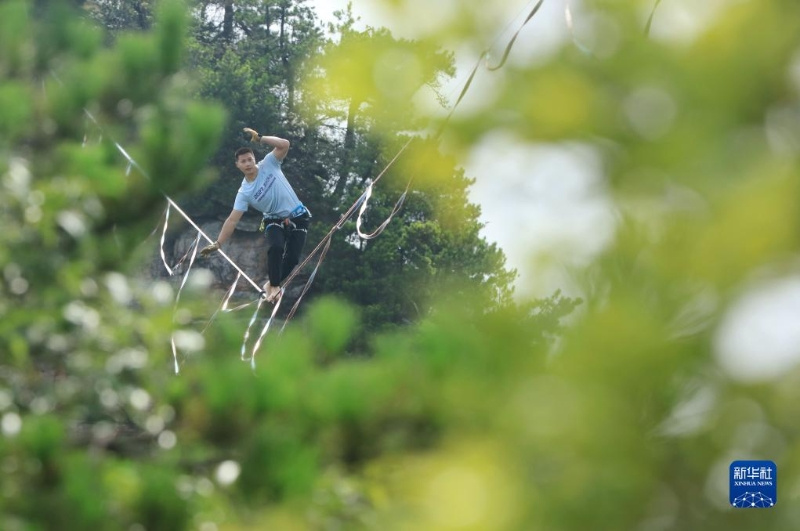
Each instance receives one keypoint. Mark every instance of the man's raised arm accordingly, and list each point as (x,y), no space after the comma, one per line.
(280,145)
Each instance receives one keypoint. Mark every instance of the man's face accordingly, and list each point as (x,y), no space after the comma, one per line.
(246,162)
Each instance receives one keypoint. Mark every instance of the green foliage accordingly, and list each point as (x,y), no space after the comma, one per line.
(70,334)
(17,110)
(159,504)
(119,16)
(334,323)
(375,68)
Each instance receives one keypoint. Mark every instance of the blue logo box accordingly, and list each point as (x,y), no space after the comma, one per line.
(753,484)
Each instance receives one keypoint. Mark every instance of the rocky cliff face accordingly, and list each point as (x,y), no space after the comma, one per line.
(247,248)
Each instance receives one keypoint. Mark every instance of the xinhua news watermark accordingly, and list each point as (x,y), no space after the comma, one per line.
(753,484)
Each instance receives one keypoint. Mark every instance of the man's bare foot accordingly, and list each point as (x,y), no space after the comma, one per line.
(271,292)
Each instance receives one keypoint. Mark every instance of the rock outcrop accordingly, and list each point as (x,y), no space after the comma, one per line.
(247,248)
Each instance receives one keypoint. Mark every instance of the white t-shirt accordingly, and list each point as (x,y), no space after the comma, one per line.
(269,193)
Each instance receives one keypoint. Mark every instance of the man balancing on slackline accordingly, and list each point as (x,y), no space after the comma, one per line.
(286,219)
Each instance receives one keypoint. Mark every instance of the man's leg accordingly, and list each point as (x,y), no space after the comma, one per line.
(294,245)
(276,239)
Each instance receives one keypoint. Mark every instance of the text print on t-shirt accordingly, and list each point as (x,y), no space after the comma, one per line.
(263,190)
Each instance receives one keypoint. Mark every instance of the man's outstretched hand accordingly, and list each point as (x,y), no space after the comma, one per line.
(208,249)
(254,136)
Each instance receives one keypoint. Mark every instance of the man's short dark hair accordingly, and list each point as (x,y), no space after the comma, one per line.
(242,151)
